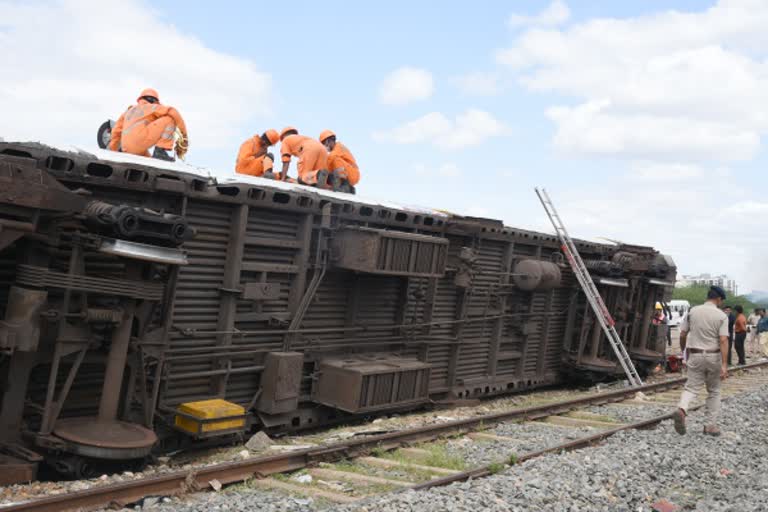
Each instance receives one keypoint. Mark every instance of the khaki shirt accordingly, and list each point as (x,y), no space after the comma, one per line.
(704,325)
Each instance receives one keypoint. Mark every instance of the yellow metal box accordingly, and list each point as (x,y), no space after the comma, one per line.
(209,416)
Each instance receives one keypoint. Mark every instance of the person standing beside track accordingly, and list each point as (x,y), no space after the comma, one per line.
(731,322)
(704,332)
(762,333)
(752,339)
(740,334)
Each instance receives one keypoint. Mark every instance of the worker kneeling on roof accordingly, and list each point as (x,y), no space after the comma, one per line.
(253,158)
(313,159)
(147,124)
(345,173)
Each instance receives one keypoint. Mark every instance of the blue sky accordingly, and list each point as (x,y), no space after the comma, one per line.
(643,119)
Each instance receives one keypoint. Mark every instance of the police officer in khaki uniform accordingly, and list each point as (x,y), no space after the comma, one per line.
(704,332)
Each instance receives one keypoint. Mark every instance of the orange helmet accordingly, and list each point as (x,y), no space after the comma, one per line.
(272,136)
(149,92)
(325,134)
(286,130)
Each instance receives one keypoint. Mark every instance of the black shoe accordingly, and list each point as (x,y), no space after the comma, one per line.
(161,154)
(334,181)
(322,178)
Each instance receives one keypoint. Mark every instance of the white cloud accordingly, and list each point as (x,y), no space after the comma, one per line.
(555,13)
(479,83)
(664,173)
(446,170)
(406,85)
(596,128)
(468,129)
(67,66)
(668,85)
(703,220)
(747,208)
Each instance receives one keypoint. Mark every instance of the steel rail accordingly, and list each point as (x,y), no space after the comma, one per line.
(490,469)
(195,479)
(575,444)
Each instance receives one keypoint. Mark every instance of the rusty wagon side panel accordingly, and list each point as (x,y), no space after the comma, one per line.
(303,307)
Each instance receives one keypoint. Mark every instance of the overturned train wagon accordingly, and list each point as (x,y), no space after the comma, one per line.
(146,306)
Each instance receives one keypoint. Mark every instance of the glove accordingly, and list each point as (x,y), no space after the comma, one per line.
(182,145)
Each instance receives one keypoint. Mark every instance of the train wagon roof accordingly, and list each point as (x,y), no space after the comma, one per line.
(224,177)
(230,177)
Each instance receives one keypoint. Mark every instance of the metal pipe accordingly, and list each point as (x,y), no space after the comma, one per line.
(113,375)
(209,373)
(29,227)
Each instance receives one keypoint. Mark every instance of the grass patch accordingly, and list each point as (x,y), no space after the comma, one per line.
(285,477)
(409,474)
(441,458)
(513,459)
(378,452)
(496,467)
(582,415)
(437,456)
(245,485)
(349,467)
(364,490)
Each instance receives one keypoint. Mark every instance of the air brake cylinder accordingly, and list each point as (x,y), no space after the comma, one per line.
(128,222)
(536,275)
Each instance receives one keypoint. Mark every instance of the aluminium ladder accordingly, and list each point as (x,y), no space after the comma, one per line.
(590,290)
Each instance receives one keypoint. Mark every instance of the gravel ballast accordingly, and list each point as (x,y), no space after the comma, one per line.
(631,471)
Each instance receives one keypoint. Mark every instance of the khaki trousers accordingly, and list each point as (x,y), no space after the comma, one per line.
(703,370)
(752,344)
(763,337)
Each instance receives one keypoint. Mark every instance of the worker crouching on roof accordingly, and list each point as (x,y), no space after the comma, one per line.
(147,124)
(313,159)
(345,173)
(253,158)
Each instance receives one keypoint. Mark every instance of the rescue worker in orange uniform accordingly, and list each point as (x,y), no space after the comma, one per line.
(253,158)
(147,124)
(341,163)
(313,159)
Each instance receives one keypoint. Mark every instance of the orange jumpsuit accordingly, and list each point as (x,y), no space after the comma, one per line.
(312,156)
(341,157)
(145,125)
(252,158)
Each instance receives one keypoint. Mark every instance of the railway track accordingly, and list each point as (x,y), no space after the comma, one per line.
(414,458)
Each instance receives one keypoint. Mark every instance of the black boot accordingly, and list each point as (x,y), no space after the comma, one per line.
(334,181)
(322,178)
(161,154)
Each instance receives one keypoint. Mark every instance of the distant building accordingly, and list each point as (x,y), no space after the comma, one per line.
(723,281)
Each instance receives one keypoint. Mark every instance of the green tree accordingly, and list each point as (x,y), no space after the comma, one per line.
(698,294)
